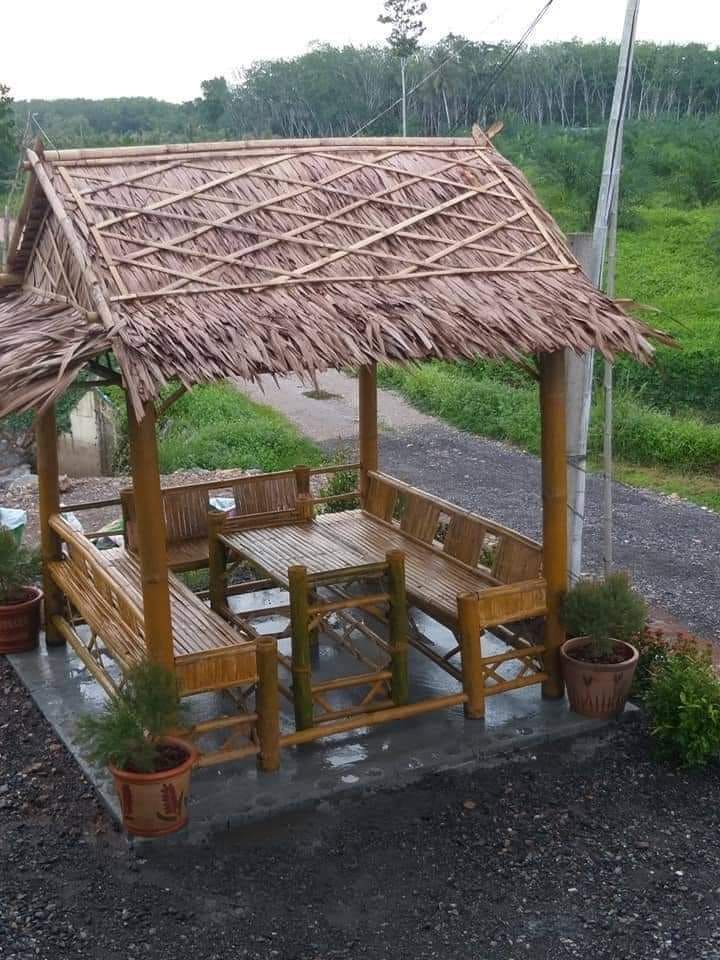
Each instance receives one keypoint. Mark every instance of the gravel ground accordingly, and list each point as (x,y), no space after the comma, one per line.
(670,547)
(590,850)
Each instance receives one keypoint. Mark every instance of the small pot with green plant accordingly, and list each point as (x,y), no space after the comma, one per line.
(20,602)
(599,661)
(132,736)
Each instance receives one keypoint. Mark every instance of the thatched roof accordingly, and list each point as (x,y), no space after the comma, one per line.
(228,260)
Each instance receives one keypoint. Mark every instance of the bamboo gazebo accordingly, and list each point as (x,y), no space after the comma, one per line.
(184,264)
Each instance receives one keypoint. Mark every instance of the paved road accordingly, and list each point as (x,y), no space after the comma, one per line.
(671,548)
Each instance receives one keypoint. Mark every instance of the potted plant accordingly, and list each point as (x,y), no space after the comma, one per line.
(598,662)
(132,737)
(19,601)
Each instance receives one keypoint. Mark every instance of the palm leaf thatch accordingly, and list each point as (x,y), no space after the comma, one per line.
(230,260)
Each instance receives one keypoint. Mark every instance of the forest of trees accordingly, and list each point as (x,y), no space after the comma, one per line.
(554,100)
(333,91)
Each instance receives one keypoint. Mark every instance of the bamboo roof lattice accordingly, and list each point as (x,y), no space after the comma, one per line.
(212,261)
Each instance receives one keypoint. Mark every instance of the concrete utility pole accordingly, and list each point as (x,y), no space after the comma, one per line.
(580,369)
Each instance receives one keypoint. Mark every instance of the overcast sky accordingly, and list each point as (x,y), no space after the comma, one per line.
(164,48)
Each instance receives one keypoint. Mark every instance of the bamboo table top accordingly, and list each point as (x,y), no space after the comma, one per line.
(351,538)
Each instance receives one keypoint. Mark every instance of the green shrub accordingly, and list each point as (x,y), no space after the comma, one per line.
(604,610)
(125,734)
(345,481)
(683,704)
(655,646)
(19,566)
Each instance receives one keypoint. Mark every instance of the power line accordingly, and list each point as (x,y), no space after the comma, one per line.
(427,76)
(453,56)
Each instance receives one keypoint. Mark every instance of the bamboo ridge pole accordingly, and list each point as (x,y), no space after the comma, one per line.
(49,505)
(368,425)
(554,497)
(151,535)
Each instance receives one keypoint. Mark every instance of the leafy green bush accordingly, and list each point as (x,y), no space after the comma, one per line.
(683,704)
(19,566)
(604,610)
(345,481)
(126,733)
(655,646)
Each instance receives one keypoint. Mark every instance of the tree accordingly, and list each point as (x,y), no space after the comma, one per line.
(404,17)
(7,135)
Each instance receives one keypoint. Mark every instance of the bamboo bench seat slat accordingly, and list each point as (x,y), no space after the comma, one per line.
(105,587)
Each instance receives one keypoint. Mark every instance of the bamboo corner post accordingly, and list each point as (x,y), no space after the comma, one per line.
(268,705)
(399,686)
(49,504)
(301,647)
(368,424)
(151,536)
(554,498)
(217,562)
(470,637)
(302,487)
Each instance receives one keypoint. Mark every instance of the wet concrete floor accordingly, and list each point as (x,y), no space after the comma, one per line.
(385,756)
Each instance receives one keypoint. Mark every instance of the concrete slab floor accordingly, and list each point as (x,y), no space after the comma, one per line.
(386,756)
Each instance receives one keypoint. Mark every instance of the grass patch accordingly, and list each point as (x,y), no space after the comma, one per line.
(703,490)
(215,427)
(655,449)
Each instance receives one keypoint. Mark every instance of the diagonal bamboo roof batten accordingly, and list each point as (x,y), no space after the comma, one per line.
(229,260)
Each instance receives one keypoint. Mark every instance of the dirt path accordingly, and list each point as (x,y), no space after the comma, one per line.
(670,547)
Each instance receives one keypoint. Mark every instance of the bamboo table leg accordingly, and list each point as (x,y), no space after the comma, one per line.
(301,655)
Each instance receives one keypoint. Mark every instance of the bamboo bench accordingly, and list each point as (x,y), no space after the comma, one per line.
(104,587)
(186,508)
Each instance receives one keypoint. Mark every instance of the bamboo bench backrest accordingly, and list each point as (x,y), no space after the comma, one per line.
(266,493)
(99,584)
(452,530)
(185,508)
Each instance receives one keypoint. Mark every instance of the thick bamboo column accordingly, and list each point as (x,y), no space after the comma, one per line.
(151,537)
(469,638)
(301,654)
(398,628)
(268,704)
(217,564)
(554,495)
(49,503)
(368,425)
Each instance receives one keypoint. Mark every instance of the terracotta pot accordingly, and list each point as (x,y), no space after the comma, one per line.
(597,690)
(154,804)
(20,623)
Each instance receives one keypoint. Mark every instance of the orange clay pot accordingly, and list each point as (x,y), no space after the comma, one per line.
(20,623)
(597,690)
(155,804)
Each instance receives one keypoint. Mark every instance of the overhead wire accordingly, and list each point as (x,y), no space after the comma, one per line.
(454,55)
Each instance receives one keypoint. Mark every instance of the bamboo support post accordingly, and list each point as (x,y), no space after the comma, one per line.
(473,675)
(151,536)
(554,495)
(304,500)
(217,562)
(368,425)
(301,644)
(268,705)
(398,627)
(49,504)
